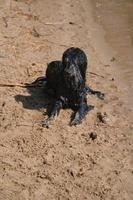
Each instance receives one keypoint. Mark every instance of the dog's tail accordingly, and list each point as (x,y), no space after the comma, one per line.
(40,81)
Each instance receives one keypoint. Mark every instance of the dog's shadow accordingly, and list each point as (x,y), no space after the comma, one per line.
(40,99)
(37,100)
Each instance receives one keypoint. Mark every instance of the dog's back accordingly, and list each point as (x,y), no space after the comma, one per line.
(54,74)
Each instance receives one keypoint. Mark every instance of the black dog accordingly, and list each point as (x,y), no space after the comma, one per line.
(65,80)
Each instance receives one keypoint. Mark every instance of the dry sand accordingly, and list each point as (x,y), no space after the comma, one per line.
(62,162)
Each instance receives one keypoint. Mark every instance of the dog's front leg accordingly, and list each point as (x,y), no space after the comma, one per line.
(55,111)
(99,94)
(81,113)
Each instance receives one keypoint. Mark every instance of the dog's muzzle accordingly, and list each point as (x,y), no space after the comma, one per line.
(72,77)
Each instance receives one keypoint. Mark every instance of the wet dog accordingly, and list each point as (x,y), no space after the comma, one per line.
(66,81)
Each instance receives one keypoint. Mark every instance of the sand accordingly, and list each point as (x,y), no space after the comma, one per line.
(62,162)
(116,18)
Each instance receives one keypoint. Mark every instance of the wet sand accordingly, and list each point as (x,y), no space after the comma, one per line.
(62,162)
(116,18)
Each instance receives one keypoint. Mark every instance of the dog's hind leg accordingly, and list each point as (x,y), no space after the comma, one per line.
(99,94)
(81,113)
(55,111)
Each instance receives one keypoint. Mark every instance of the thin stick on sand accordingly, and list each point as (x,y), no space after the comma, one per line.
(96,74)
(17,85)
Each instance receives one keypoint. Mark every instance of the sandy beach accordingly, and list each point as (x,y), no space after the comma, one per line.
(64,162)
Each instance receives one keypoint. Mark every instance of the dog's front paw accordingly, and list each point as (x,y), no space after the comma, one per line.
(100,95)
(45,123)
(75,122)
